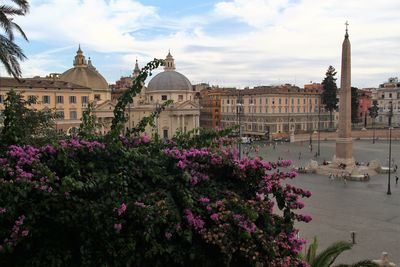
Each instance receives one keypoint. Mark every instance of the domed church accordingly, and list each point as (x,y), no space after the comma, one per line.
(85,74)
(183,114)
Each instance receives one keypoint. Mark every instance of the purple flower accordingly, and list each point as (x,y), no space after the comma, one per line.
(168,235)
(25,233)
(3,210)
(121,209)
(214,217)
(204,200)
(140,204)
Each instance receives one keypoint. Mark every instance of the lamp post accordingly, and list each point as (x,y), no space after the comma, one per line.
(390,145)
(239,117)
(319,128)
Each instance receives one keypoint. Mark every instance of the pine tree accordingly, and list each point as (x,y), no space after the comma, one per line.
(329,94)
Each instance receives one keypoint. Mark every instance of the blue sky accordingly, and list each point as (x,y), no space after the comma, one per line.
(227,43)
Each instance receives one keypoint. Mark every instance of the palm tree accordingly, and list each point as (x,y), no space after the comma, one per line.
(10,52)
(327,257)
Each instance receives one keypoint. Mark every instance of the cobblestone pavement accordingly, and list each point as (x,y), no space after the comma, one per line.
(338,208)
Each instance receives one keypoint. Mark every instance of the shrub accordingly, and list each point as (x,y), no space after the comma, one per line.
(146,203)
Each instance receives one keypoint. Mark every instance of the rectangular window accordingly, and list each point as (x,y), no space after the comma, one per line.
(151,98)
(73,115)
(292,101)
(46,99)
(97,97)
(72,99)
(1,99)
(280,102)
(298,101)
(165,133)
(84,99)
(60,99)
(164,97)
(180,97)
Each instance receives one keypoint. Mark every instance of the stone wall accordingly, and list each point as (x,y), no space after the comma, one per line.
(356,134)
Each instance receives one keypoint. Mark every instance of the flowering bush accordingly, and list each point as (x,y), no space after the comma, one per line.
(139,202)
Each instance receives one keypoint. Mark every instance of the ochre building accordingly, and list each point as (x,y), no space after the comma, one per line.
(68,93)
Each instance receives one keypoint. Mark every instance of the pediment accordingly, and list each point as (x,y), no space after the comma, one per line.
(107,105)
(188,104)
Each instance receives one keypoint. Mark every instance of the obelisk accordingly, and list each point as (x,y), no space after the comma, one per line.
(344,142)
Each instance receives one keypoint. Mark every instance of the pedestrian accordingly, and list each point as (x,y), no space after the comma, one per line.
(345,180)
(397,179)
(299,155)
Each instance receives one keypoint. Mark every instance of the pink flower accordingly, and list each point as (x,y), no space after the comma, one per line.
(195,221)
(117,227)
(145,138)
(121,209)
(214,217)
(25,233)
(140,204)
(3,210)
(204,200)
(168,235)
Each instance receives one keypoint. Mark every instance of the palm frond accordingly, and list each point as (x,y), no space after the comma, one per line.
(22,4)
(312,251)
(10,53)
(18,28)
(329,255)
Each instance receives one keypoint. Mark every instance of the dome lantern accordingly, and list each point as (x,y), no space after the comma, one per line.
(80,60)
(169,62)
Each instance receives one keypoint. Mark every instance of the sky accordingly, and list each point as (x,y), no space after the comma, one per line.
(227,43)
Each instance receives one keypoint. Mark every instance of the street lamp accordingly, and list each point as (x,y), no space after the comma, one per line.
(390,144)
(319,127)
(239,106)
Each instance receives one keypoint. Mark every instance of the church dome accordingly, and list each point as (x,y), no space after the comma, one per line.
(84,73)
(169,79)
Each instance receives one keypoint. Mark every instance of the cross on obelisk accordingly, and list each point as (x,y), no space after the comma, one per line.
(344,142)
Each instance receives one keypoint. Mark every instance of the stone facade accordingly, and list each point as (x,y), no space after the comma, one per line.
(269,111)
(388,96)
(182,115)
(68,94)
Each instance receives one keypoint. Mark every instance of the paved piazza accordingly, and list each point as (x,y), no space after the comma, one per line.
(338,208)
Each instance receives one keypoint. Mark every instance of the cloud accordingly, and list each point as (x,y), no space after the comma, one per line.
(102,25)
(257,13)
(281,40)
